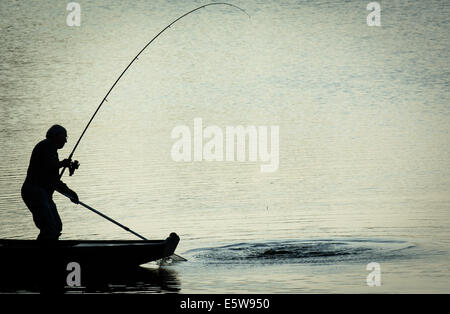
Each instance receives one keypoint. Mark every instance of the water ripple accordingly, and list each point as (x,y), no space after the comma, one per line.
(304,251)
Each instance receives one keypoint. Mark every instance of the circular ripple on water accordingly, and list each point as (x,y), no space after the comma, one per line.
(305,251)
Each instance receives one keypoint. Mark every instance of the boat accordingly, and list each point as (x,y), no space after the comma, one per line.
(89,254)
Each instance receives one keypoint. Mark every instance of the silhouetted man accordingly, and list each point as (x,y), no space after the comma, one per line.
(43,179)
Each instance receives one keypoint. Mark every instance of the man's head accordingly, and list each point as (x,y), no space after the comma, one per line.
(58,135)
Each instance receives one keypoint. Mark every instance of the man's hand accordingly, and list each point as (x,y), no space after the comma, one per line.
(65,163)
(73,197)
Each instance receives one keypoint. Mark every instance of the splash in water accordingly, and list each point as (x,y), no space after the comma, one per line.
(303,251)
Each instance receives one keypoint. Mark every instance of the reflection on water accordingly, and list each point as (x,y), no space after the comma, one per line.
(144,279)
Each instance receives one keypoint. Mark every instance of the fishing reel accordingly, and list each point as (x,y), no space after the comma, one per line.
(73,165)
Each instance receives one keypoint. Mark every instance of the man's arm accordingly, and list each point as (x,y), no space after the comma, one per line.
(61,187)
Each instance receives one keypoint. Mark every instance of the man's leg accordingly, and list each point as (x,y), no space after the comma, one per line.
(49,220)
(45,214)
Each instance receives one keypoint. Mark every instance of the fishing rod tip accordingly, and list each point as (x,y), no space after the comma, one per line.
(231,5)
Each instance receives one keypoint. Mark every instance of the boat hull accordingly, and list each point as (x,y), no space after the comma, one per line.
(87,253)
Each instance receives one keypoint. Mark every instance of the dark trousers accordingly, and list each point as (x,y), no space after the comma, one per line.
(45,215)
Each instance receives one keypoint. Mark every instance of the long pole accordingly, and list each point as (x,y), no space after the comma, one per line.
(132,61)
(115,222)
(106,217)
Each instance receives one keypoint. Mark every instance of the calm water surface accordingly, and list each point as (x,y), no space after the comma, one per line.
(364,117)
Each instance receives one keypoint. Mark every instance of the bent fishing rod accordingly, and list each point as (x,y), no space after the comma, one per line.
(74,165)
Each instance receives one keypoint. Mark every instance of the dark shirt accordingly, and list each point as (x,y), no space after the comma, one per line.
(43,170)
